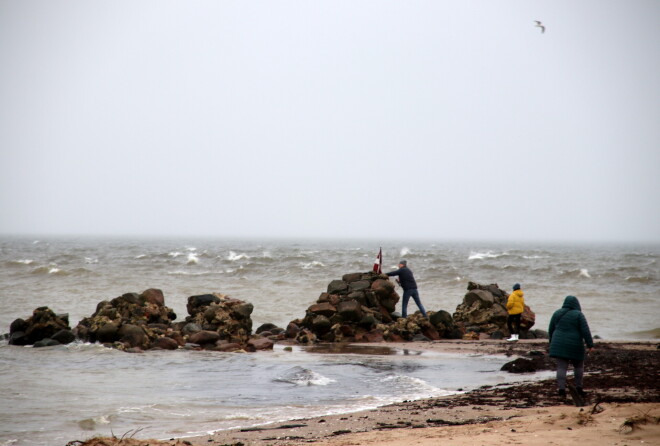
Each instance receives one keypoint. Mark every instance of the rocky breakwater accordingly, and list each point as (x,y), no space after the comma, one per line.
(361,308)
(43,328)
(483,314)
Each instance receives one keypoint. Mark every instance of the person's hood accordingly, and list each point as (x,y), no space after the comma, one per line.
(572,303)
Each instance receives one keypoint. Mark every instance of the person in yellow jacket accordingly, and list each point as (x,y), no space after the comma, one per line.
(515,306)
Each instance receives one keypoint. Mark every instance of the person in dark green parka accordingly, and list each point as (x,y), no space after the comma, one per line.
(569,332)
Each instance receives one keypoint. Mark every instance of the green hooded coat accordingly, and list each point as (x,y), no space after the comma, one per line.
(569,331)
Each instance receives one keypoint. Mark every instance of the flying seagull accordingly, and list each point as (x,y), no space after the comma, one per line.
(540,25)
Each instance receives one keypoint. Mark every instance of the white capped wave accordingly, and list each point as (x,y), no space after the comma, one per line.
(584,273)
(51,269)
(405,251)
(91,260)
(136,409)
(406,380)
(311,265)
(233,256)
(191,273)
(102,419)
(175,254)
(241,416)
(192,259)
(140,256)
(20,262)
(483,255)
(418,386)
(90,424)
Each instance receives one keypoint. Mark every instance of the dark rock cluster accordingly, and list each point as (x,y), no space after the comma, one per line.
(43,328)
(135,322)
(361,308)
(483,313)
(221,323)
(129,321)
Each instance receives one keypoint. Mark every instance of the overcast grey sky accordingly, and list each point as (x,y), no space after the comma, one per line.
(415,119)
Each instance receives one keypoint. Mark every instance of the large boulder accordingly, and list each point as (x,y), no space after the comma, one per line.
(198,303)
(64,336)
(133,336)
(154,296)
(323,309)
(107,333)
(527,321)
(204,337)
(350,310)
(385,294)
(259,344)
(444,323)
(165,343)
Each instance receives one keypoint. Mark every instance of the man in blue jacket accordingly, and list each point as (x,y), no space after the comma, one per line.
(407,282)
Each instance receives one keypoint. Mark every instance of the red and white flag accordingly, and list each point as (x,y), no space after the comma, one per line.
(378,264)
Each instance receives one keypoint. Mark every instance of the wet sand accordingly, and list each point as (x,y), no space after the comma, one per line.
(622,406)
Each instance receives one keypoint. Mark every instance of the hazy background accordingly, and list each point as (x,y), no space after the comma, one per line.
(416,119)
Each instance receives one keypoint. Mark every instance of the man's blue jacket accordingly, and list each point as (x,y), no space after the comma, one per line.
(405,277)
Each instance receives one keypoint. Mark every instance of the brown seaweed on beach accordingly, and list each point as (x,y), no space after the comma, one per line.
(125,440)
(114,441)
(630,424)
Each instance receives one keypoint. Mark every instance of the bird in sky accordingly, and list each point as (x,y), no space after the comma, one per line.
(540,25)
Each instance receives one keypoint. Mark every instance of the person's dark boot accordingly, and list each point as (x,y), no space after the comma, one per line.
(581,392)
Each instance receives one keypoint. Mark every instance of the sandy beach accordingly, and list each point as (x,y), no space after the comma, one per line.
(622,407)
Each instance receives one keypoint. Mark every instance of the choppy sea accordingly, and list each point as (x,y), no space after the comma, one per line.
(53,395)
